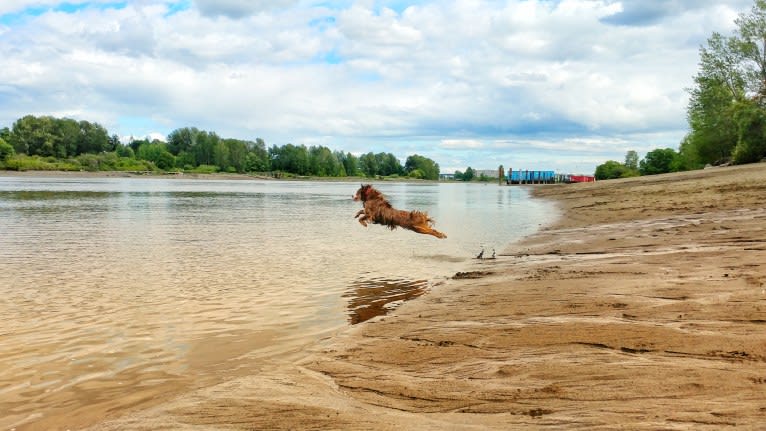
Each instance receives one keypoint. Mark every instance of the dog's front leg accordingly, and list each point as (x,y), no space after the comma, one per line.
(359,213)
(363,219)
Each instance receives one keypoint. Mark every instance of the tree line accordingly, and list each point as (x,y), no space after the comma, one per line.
(727,106)
(46,142)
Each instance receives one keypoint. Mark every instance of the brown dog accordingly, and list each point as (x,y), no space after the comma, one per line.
(379,211)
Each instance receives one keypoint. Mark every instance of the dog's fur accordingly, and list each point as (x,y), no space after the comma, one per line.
(379,211)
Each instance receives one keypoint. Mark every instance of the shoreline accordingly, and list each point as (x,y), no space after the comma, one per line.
(642,307)
(201,176)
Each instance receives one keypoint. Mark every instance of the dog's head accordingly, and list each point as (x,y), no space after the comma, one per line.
(362,193)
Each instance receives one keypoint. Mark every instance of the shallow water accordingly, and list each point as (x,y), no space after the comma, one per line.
(118,291)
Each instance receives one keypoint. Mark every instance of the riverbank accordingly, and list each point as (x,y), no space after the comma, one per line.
(198,176)
(642,308)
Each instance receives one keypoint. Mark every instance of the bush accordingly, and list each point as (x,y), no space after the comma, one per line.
(22,162)
(6,150)
(205,169)
(751,134)
(660,161)
(416,173)
(613,169)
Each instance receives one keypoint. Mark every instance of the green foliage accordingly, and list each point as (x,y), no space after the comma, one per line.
(125,151)
(368,165)
(350,163)
(205,169)
(157,153)
(751,137)
(612,169)
(182,140)
(751,48)
(429,169)
(49,136)
(631,160)
(469,174)
(324,163)
(290,158)
(713,130)
(388,164)
(6,150)
(416,174)
(72,145)
(730,89)
(660,161)
(23,162)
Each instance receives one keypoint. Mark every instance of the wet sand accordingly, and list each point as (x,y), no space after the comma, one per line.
(644,307)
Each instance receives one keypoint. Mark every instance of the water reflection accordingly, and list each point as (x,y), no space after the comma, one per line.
(368,298)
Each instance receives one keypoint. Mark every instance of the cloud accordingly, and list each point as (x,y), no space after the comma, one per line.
(239,8)
(464,82)
(649,12)
(455,144)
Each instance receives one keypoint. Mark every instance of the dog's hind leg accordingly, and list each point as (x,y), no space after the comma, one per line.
(428,231)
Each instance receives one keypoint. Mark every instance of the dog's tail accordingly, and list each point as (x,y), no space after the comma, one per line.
(423,219)
(419,217)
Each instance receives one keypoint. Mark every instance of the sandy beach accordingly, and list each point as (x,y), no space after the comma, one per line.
(643,307)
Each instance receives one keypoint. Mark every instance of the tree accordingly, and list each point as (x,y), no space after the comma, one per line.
(429,169)
(659,161)
(751,49)
(183,139)
(257,159)
(125,151)
(751,136)
(158,153)
(221,155)
(114,143)
(69,138)
(710,115)
(290,158)
(33,136)
(368,164)
(204,147)
(6,150)
(612,169)
(631,160)
(388,164)
(323,162)
(469,174)
(732,71)
(93,138)
(350,164)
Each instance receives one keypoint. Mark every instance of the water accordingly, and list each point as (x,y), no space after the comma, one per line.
(117,292)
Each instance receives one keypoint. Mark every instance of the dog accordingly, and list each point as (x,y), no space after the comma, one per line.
(378,210)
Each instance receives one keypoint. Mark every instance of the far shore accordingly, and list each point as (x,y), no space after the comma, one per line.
(197,176)
(643,307)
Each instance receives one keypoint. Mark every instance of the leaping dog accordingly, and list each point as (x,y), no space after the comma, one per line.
(378,210)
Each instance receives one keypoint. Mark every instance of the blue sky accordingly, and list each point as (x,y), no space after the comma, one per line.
(530,84)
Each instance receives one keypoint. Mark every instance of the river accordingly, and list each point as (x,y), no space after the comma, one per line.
(115,292)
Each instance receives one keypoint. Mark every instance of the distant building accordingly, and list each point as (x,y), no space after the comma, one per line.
(489,173)
(446,177)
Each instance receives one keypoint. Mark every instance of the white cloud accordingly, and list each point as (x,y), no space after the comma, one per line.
(460,144)
(240,8)
(455,81)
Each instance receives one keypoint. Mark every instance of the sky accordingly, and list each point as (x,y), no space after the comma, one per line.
(558,85)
